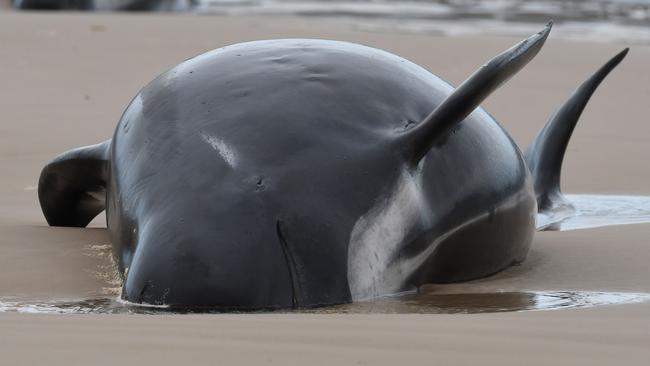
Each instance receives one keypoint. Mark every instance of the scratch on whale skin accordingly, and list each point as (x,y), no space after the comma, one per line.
(226,152)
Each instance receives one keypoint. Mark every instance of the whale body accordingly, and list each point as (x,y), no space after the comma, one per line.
(297,173)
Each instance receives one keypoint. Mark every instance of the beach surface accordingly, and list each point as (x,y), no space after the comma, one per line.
(66,79)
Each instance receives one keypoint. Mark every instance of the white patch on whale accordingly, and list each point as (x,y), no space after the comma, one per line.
(376,266)
(377,239)
(226,152)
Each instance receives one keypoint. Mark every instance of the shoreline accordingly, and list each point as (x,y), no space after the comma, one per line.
(603,21)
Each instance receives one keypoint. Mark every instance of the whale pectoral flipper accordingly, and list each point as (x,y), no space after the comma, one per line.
(545,154)
(72,187)
(417,141)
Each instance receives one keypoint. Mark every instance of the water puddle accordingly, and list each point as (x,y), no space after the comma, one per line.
(421,303)
(433,303)
(605,210)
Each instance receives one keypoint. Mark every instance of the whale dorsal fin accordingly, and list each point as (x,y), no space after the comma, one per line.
(467,97)
(545,154)
(72,187)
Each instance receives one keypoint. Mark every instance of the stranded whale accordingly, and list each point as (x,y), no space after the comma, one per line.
(103,4)
(297,173)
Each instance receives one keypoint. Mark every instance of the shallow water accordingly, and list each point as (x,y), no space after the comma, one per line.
(605,210)
(598,20)
(435,303)
(421,303)
(625,21)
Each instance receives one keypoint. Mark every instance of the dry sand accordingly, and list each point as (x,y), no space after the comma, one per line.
(65,80)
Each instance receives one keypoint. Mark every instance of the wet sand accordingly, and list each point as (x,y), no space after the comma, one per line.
(66,80)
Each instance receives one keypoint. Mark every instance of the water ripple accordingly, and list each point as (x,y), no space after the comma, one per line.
(420,303)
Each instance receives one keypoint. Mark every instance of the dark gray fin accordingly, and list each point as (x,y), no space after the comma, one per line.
(545,154)
(145,5)
(417,142)
(72,187)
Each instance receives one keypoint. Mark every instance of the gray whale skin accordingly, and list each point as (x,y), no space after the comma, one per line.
(297,173)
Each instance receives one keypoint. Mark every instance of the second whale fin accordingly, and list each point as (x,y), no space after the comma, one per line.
(72,187)
(545,154)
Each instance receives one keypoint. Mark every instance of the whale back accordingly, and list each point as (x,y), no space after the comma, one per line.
(295,138)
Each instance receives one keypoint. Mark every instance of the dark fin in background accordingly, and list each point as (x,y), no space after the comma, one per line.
(417,142)
(72,187)
(546,152)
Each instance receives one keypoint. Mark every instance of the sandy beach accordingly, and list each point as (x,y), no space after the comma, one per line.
(66,79)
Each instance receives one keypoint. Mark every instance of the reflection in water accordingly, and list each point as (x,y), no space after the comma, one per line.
(421,303)
(433,303)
